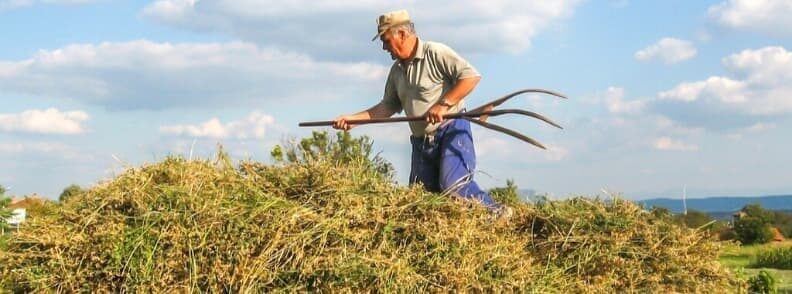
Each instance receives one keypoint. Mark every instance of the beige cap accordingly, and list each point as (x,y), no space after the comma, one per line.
(389,20)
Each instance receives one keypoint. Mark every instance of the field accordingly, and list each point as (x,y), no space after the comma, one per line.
(740,257)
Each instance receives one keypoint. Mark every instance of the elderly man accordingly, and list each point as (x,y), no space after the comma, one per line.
(428,78)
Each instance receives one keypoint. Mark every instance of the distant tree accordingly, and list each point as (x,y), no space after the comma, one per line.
(69,192)
(783,220)
(508,195)
(755,226)
(695,219)
(5,213)
(342,150)
(661,212)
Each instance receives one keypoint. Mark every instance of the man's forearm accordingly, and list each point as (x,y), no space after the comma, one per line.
(376,111)
(462,88)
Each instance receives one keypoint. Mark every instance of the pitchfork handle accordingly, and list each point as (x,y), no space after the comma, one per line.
(388,119)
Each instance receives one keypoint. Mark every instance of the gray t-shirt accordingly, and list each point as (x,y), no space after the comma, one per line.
(416,85)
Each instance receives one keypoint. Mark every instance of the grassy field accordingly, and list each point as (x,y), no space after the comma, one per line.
(740,257)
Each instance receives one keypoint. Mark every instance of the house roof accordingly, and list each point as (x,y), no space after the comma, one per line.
(25,202)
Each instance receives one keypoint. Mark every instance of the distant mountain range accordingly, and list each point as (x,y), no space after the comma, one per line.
(721,204)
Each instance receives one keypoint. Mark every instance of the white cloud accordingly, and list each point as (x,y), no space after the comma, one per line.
(345,27)
(48,121)
(770,16)
(721,88)
(762,86)
(666,125)
(10,4)
(614,100)
(43,149)
(253,127)
(148,75)
(669,50)
(668,144)
(385,133)
(753,129)
(555,152)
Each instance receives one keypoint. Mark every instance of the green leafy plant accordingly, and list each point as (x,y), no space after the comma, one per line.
(508,195)
(755,226)
(69,192)
(779,258)
(764,282)
(344,149)
(5,213)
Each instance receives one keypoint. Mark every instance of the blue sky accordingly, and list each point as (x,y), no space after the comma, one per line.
(663,94)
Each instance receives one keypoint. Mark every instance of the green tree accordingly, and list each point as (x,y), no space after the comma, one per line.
(695,219)
(342,150)
(508,195)
(5,213)
(661,212)
(69,192)
(783,220)
(755,226)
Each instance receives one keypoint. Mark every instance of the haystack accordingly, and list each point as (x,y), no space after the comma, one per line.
(317,225)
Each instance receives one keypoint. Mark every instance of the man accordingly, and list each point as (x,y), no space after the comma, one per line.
(428,78)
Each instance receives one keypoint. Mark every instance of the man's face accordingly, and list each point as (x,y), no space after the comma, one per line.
(393,43)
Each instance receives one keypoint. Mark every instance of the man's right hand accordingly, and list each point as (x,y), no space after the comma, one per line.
(340,123)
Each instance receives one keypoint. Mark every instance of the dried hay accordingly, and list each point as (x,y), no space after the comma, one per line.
(204,225)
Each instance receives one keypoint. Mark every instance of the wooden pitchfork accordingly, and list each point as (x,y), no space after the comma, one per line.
(478,115)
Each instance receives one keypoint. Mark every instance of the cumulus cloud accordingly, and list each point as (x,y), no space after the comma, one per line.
(614,101)
(43,149)
(10,4)
(343,28)
(149,75)
(770,16)
(253,127)
(723,89)
(759,88)
(668,144)
(48,121)
(669,50)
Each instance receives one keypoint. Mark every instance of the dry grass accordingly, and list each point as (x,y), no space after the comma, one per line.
(208,225)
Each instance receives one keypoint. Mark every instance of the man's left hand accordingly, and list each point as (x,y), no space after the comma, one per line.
(435,114)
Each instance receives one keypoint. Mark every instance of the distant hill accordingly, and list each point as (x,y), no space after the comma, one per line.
(721,205)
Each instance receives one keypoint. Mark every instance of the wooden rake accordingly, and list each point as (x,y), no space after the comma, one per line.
(478,115)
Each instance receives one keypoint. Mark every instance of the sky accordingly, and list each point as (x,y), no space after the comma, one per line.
(662,94)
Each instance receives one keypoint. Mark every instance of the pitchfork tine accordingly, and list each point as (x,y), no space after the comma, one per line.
(526,113)
(506,131)
(500,101)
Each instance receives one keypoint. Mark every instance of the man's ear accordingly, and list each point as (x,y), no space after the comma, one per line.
(402,34)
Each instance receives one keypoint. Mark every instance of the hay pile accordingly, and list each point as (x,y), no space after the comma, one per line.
(202,225)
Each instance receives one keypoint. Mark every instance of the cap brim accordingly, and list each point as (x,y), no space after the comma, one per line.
(377,36)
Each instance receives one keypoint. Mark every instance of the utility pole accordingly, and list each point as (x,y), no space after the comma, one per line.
(684,200)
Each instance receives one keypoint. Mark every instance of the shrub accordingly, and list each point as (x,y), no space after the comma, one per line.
(69,192)
(779,258)
(727,234)
(5,213)
(764,282)
(755,227)
(753,230)
(508,195)
(344,149)
(695,219)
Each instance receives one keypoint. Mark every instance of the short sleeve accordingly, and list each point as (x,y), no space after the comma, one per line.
(391,97)
(453,66)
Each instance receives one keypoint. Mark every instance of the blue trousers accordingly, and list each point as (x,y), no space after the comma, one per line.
(446,161)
